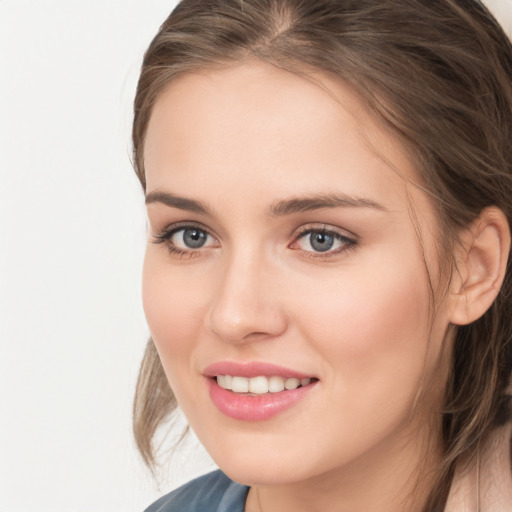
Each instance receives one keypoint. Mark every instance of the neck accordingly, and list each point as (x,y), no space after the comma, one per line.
(485,482)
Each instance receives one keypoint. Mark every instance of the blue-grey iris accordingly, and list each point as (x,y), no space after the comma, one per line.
(321,242)
(194,238)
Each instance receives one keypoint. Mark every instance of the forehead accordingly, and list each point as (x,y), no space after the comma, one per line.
(261,124)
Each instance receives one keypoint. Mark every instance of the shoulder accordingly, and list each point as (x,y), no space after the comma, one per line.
(213,492)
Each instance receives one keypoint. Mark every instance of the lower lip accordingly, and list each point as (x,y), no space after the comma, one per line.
(255,407)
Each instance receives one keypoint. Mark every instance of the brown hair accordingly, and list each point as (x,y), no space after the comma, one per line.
(438,72)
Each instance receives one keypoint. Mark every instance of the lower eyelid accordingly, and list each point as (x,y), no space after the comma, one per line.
(183,254)
(349,246)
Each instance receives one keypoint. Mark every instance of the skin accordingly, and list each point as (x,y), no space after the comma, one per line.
(240,140)
(486,482)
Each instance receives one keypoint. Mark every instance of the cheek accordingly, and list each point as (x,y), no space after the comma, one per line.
(367,304)
(373,331)
(174,304)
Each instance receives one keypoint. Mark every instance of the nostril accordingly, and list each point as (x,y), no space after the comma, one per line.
(244,308)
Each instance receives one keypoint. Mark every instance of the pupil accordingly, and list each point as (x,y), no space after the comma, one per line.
(321,242)
(194,238)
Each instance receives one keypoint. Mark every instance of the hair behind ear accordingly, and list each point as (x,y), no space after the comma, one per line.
(152,403)
(477,397)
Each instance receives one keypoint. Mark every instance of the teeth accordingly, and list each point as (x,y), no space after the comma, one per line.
(225,381)
(259,385)
(275,384)
(291,383)
(240,385)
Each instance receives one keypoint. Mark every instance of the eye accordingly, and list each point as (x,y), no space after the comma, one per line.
(185,239)
(322,241)
(189,238)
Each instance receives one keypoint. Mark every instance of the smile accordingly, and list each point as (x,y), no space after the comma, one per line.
(260,385)
(256,391)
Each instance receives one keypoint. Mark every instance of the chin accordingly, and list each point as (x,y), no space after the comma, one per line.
(259,473)
(260,461)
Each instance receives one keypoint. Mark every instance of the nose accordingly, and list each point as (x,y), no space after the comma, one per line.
(246,303)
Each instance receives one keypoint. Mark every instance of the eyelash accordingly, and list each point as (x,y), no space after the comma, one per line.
(164,237)
(348,243)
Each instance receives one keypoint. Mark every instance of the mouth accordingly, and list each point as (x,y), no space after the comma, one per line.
(256,391)
(261,384)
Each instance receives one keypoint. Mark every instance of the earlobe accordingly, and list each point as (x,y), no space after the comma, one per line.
(481,266)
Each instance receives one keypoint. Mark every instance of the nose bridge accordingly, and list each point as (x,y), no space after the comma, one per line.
(245,302)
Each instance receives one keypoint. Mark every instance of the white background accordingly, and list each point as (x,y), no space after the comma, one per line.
(72,233)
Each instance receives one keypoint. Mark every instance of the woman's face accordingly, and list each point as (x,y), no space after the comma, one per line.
(283,251)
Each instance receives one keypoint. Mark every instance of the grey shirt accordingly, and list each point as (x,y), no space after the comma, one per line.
(213,492)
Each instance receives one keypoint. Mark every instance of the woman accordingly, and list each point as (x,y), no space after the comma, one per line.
(327,278)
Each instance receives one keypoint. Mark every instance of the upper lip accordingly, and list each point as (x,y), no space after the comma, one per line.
(252,369)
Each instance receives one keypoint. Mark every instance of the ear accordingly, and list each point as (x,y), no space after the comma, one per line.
(481,263)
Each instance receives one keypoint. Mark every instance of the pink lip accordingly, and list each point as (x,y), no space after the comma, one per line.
(252,369)
(253,407)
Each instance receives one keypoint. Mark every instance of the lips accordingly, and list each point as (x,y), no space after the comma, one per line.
(256,391)
(252,369)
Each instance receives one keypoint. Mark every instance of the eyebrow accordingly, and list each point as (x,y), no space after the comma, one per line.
(317,202)
(279,209)
(174,201)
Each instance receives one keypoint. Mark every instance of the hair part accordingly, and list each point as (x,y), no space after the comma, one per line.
(438,73)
